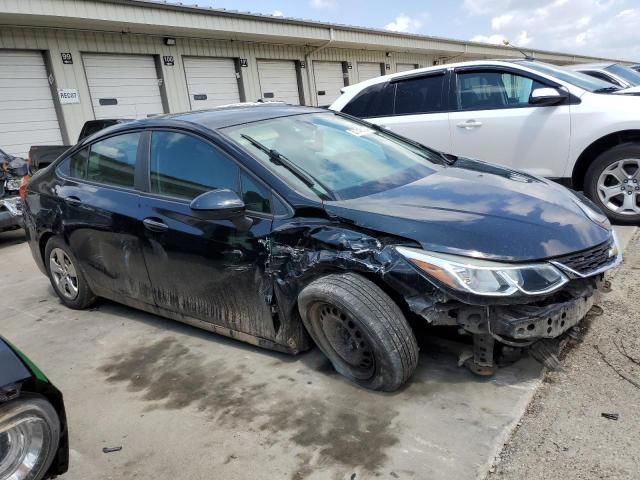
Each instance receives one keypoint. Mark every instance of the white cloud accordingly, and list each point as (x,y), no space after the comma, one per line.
(322,4)
(603,28)
(277,13)
(404,23)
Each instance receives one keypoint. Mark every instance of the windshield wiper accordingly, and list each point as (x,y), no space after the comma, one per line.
(607,89)
(445,157)
(279,159)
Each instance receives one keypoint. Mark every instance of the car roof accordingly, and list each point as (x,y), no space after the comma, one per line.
(581,66)
(240,113)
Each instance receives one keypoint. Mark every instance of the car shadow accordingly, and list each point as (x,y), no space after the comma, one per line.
(12,237)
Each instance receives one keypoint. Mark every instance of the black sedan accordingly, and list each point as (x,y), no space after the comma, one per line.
(33,431)
(282,226)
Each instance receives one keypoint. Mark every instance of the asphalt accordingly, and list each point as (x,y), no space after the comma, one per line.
(184,403)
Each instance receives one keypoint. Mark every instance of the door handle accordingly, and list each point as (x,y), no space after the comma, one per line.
(72,200)
(469,124)
(155,225)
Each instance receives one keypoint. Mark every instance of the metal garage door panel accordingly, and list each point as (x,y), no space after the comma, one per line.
(367,71)
(405,67)
(129,80)
(28,115)
(279,81)
(329,79)
(211,82)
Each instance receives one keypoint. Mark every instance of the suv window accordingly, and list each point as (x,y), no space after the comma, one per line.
(184,166)
(419,95)
(112,161)
(373,101)
(488,90)
(255,196)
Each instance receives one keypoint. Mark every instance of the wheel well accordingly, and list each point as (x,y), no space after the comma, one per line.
(595,149)
(43,244)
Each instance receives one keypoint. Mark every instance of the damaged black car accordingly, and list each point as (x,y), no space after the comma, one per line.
(287,226)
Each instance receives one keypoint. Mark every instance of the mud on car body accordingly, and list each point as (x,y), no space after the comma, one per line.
(287,226)
(33,430)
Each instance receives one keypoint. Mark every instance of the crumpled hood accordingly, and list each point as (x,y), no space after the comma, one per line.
(478,209)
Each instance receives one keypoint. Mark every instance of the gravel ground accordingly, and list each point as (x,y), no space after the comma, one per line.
(563,434)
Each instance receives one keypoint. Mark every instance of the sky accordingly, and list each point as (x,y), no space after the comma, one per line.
(605,28)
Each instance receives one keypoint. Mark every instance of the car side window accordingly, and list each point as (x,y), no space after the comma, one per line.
(373,101)
(113,161)
(419,95)
(485,90)
(78,164)
(184,166)
(255,196)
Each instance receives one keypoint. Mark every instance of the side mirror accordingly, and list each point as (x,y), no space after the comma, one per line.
(547,96)
(218,204)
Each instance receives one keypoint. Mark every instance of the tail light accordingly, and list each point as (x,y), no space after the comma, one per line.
(22,191)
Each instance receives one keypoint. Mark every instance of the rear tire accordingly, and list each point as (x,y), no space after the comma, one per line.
(612,181)
(360,329)
(66,276)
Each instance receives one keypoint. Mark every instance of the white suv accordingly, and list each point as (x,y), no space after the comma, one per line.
(531,116)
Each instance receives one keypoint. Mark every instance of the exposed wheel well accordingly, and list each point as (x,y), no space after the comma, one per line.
(595,149)
(43,244)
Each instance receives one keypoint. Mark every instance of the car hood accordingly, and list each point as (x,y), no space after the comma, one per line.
(479,209)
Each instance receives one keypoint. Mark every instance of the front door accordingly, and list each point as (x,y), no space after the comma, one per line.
(210,270)
(496,123)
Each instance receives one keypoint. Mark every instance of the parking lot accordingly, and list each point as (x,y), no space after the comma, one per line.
(183,403)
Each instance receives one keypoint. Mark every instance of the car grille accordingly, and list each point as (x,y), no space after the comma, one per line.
(588,260)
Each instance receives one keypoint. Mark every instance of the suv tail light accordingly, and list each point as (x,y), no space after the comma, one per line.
(22,191)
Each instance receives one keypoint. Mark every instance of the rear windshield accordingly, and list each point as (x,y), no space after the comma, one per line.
(345,158)
(631,76)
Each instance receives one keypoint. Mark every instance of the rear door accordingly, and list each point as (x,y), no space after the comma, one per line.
(420,109)
(209,270)
(495,122)
(101,207)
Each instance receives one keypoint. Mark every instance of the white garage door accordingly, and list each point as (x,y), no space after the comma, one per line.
(123,86)
(329,80)
(405,67)
(211,82)
(27,114)
(368,70)
(278,81)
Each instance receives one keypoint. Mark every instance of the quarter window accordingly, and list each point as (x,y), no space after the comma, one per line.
(112,161)
(419,95)
(183,166)
(489,90)
(373,101)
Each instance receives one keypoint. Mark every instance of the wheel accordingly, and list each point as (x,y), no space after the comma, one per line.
(30,437)
(613,183)
(65,275)
(360,329)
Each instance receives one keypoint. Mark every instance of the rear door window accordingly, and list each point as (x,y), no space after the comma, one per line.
(184,166)
(420,95)
(112,161)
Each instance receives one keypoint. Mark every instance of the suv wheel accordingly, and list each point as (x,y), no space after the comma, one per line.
(613,182)
(360,329)
(66,276)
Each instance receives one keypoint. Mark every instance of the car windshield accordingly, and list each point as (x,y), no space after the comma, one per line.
(631,76)
(334,157)
(578,79)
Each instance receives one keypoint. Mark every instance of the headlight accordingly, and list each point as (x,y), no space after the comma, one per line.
(482,277)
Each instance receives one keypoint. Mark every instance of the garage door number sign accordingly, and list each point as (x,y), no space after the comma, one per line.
(67,59)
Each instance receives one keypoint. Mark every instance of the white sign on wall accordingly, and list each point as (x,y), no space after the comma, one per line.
(68,95)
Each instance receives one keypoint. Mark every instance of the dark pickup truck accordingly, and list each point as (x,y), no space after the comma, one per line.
(42,155)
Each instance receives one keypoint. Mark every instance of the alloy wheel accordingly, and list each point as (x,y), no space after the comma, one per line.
(63,273)
(619,187)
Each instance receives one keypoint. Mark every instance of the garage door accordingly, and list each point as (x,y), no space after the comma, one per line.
(405,67)
(329,80)
(368,70)
(27,114)
(211,82)
(279,81)
(123,86)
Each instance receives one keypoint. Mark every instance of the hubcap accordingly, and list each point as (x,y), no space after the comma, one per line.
(63,273)
(619,187)
(347,340)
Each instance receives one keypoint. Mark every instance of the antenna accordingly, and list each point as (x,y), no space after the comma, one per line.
(526,55)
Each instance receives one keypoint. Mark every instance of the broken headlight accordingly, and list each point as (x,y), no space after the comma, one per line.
(483,277)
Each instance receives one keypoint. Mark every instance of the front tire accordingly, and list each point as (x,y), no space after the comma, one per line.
(613,183)
(360,329)
(66,276)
